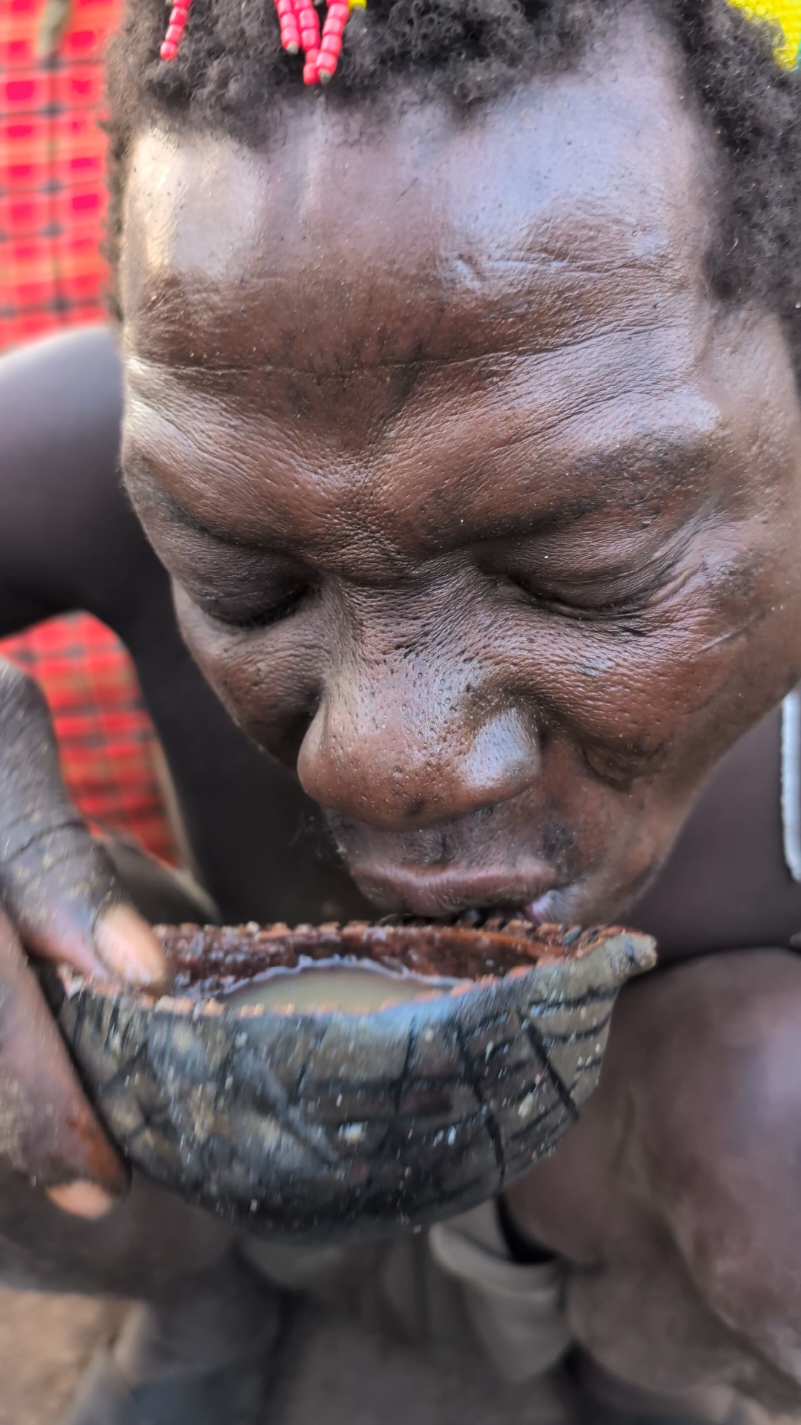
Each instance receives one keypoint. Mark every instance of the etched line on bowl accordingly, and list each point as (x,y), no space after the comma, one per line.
(580,1036)
(587,998)
(291,1121)
(402,1086)
(474,1079)
(539,1044)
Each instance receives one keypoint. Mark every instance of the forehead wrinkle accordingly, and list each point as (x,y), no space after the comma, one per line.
(521,429)
(354,415)
(512,388)
(512,402)
(276,504)
(198,326)
(198,362)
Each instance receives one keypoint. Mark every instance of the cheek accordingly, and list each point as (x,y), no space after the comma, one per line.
(668,694)
(268,681)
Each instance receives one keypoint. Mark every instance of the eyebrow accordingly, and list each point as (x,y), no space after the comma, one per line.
(650,461)
(137,475)
(651,464)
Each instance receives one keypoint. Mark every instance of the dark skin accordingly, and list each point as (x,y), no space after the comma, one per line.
(496,544)
(549,613)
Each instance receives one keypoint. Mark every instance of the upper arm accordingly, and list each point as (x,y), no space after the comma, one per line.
(68,538)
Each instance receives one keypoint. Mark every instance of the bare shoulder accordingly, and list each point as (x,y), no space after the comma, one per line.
(68,538)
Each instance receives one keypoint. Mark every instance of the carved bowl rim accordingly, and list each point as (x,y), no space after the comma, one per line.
(545,946)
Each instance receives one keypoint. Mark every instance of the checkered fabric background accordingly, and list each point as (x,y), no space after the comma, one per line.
(52,155)
(109,753)
(52,275)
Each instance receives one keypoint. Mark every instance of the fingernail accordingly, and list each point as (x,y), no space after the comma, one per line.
(130,949)
(82,1199)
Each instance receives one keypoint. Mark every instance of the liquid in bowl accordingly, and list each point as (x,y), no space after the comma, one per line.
(348,985)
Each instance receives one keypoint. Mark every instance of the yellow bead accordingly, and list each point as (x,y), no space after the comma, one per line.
(784,13)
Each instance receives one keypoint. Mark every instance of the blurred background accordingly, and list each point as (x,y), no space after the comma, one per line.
(53,276)
(52,148)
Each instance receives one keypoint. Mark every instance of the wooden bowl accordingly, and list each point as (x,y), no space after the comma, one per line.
(338,1127)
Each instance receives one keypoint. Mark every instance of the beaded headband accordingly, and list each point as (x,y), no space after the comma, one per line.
(300,30)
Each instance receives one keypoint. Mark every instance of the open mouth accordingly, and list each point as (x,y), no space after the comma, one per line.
(537,912)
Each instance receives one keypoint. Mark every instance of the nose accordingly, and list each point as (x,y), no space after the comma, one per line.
(400,769)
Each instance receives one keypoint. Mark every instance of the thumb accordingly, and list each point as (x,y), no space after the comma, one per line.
(58,885)
(47,1128)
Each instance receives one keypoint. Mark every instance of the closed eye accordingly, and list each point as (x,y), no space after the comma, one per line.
(252,616)
(599,606)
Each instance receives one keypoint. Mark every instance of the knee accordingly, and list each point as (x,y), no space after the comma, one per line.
(723,1156)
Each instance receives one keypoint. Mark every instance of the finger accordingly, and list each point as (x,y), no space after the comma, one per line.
(57,884)
(47,1128)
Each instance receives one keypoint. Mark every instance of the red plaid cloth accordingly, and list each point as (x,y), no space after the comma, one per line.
(109,752)
(52,209)
(52,161)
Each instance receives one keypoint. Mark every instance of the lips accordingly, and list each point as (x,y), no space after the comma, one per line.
(449,891)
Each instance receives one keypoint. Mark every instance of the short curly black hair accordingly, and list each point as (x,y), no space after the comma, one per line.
(231,69)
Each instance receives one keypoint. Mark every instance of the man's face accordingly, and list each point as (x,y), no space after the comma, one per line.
(477,506)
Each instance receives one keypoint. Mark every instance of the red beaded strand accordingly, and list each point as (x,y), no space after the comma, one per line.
(309,22)
(300,30)
(179,15)
(290,29)
(331,43)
